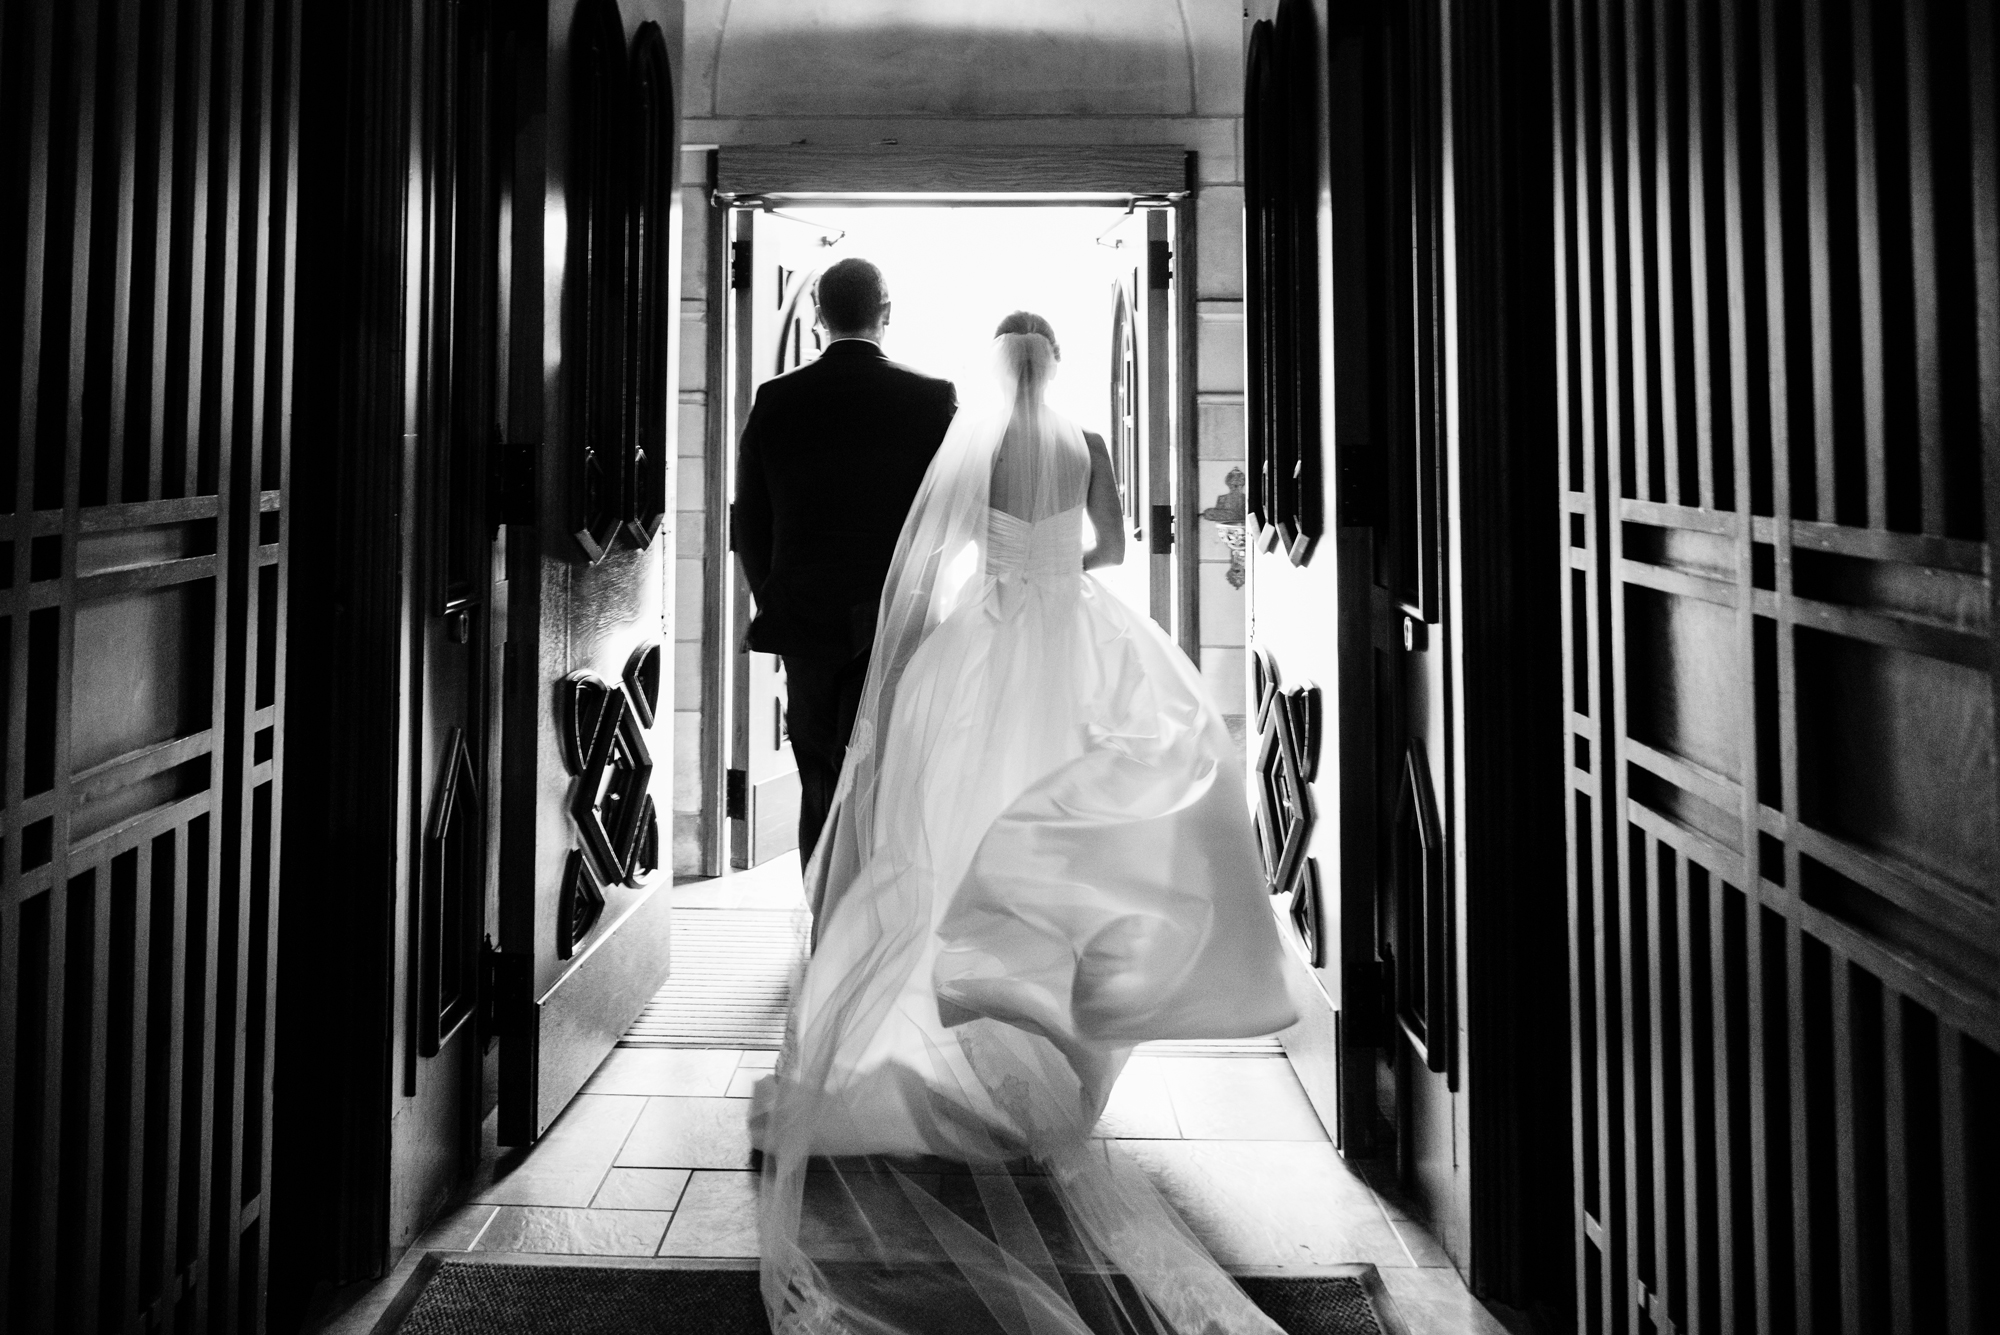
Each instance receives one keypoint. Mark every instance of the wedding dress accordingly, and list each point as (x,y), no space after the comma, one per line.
(1039,855)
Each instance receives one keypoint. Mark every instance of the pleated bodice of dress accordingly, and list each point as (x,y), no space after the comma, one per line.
(1043,552)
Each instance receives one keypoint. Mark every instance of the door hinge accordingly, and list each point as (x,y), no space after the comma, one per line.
(511,486)
(1159,264)
(739,266)
(736,794)
(1161,536)
(502,985)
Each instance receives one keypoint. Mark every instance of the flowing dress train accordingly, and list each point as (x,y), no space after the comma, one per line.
(1039,856)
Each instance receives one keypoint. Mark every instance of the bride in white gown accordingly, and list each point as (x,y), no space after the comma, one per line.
(1038,856)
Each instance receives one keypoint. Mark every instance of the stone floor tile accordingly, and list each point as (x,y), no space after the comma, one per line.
(1139,1108)
(744,1081)
(535,1228)
(565,1166)
(1424,1249)
(717,1217)
(1239,1098)
(1435,1302)
(761,1059)
(664,1071)
(1268,1203)
(457,1230)
(641,1189)
(689,1133)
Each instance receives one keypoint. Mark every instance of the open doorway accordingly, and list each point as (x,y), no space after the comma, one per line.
(953,270)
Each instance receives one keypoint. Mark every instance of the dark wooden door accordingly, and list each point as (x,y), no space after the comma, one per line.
(1392,355)
(451,563)
(1779,262)
(1390,161)
(1417,927)
(774,262)
(146,158)
(583,917)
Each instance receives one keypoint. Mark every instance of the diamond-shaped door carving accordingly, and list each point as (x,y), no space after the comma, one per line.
(1305,913)
(603,734)
(644,858)
(611,788)
(579,704)
(1289,726)
(580,905)
(642,680)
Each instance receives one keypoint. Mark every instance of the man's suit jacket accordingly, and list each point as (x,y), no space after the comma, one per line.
(828,465)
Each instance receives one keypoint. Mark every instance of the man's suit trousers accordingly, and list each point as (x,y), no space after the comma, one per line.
(823,694)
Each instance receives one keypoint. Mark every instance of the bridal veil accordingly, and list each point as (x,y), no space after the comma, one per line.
(1038,856)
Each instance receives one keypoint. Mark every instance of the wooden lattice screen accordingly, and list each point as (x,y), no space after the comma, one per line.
(1779,304)
(147,164)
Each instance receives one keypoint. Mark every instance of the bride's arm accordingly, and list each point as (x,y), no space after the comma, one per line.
(1107,516)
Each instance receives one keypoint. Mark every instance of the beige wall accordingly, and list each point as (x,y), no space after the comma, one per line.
(691,521)
(968,73)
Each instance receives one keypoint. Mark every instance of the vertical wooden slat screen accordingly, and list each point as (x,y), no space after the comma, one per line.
(147,156)
(1778,274)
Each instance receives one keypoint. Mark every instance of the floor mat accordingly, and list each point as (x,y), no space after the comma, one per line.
(450,1296)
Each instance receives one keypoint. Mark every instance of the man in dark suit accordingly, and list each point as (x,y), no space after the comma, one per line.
(828,466)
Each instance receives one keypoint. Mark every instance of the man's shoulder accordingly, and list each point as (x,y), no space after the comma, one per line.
(935,383)
(819,376)
(821,369)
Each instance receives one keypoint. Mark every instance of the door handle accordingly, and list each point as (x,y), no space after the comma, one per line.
(458,619)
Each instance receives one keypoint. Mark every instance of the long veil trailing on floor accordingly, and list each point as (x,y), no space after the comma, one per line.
(1038,856)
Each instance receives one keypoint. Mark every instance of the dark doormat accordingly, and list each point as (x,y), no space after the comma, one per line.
(452,1295)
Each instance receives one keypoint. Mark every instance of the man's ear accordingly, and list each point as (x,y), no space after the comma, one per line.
(885,314)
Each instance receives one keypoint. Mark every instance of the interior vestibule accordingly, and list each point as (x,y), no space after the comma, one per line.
(1562,434)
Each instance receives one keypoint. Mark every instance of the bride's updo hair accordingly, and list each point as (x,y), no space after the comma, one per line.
(1028,352)
(1027,322)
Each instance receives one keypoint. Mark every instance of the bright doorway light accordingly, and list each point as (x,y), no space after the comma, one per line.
(954,271)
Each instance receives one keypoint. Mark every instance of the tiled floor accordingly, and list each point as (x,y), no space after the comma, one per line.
(652,1159)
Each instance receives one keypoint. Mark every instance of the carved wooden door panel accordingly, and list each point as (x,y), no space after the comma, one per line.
(583,918)
(458,612)
(1416,916)
(1123,413)
(774,262)
(1387,947)
(145,346)
(1778,253)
